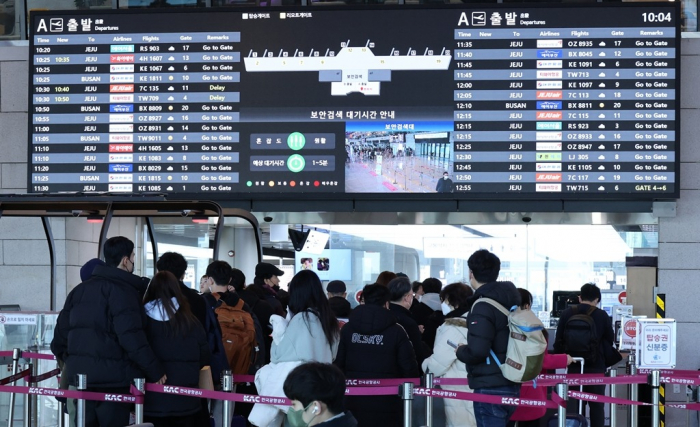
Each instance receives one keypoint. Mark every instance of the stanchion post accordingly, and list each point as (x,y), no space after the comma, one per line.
(613,393)
(429,401)
(80,403)
(15,366)
(655,382)
(30,399)
(563,392)
(634,390)
(227,386)
(406,394)
(140,384)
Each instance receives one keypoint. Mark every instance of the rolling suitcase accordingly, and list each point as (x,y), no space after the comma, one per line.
(572,420)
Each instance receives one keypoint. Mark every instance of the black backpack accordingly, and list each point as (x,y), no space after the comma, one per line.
(581,336)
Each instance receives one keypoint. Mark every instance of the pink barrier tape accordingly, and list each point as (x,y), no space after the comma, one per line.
(73,394)
(218,395)
(450,381)
(15,377)
(485,398)
(372,391)
(558,400)
(44,376)
(368,382)
(244,378)
(604,399)
(679,380)
(588,379)
(28,355)
(689,406)
(676,372)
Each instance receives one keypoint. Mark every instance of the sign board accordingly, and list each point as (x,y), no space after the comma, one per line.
(17,319)
(546,102)
(656,343)
(622,297)
(628,332)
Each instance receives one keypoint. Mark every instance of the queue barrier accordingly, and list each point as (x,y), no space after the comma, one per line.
(407,388)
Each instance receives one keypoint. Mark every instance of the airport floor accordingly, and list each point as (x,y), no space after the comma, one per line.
(399,174)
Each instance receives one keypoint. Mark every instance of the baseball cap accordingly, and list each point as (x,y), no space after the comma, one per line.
(267,269)
(336,287)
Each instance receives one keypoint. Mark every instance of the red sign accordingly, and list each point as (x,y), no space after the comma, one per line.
(631,328)
(622,297)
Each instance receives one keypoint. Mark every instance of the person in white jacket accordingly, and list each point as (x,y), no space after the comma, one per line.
(311,335)
(443,362)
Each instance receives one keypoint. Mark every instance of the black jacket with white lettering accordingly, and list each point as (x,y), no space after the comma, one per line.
(183,356)
(373,345)
(488,330)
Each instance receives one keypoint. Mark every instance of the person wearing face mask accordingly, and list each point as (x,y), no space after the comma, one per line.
(443,362)
(444,185)
(317,392)
(101,333)
(401,295)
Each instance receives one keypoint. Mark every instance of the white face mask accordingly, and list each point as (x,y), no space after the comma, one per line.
(445,308)
(444,177)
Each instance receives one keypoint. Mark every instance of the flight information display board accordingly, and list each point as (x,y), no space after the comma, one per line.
(544,101)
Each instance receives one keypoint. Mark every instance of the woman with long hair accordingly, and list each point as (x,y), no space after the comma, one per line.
(310,335)
(179,342)
(313,332)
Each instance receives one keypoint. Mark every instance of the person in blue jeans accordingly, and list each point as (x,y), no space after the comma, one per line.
(488,330)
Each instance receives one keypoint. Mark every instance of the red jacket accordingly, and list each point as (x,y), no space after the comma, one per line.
(551,361)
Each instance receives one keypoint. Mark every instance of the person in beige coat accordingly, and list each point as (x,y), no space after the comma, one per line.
(443,362)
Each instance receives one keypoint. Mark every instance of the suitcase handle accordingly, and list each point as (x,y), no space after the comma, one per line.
(582,361)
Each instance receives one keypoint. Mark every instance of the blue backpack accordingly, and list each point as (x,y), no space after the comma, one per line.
(219,361)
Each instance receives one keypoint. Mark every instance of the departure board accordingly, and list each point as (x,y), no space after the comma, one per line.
(513,101)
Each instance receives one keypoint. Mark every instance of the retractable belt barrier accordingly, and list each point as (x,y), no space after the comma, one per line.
(406,388)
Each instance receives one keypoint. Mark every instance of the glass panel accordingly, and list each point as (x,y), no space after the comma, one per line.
(33,5)
(689,14)
(540,258)
(193,240)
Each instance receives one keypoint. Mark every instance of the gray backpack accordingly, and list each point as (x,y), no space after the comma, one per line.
(526,344)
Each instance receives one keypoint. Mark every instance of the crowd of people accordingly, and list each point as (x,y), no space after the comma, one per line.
(302,343)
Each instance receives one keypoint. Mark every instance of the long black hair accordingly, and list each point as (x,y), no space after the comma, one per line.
(163,287)
(306,294)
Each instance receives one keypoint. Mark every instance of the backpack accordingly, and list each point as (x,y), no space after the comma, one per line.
(581,335)
(219,361)
(237,333)
(526,344)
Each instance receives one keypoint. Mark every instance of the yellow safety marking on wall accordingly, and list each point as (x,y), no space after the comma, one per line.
(660,303)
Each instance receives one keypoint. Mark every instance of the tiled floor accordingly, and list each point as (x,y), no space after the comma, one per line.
(400,174)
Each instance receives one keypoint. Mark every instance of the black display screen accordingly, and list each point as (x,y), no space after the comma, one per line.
(481,101)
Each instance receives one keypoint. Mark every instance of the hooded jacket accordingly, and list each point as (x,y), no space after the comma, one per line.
(182,356)
(373,345)
(100,331)
(488,330)
(443,363)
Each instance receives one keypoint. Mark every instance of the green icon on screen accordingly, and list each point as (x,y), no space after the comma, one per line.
(249,183)
(296,141)
(296,163)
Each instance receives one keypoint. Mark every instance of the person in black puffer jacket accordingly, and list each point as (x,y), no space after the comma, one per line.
(100,333)
(179,341)
(373,345)
(488,330)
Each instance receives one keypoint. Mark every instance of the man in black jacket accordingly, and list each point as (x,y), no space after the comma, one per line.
(373,345)
(401,295)
(488,330)
(337,298)
(100,333)
(589,299)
